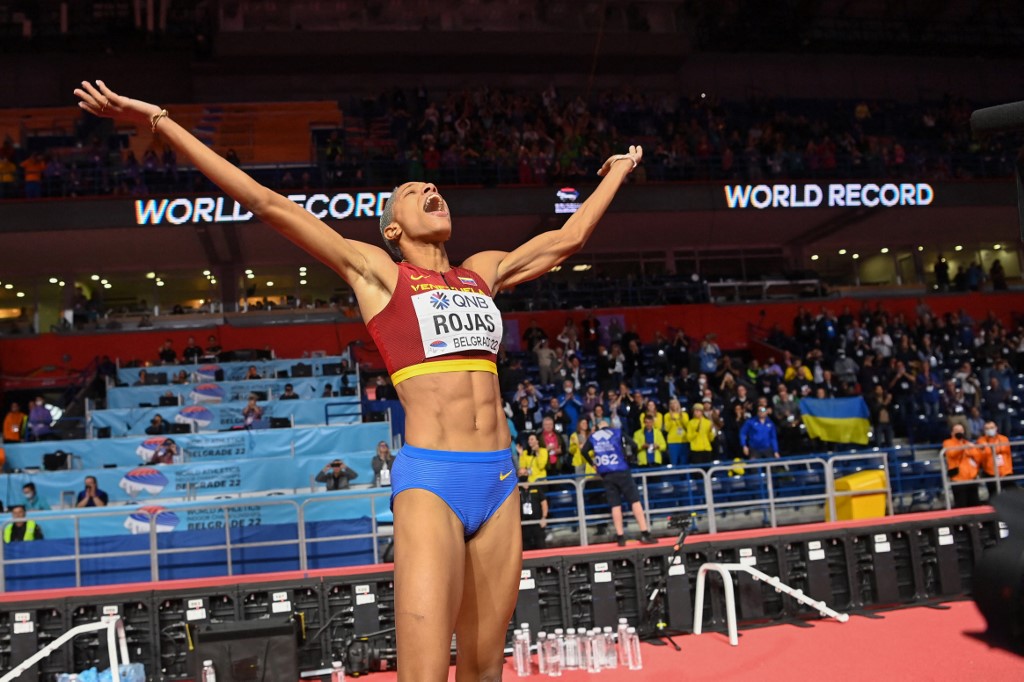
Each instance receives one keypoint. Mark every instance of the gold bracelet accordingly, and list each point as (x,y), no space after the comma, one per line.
(620,157)
(155,118)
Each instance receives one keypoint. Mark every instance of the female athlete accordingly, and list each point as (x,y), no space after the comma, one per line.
(457,529)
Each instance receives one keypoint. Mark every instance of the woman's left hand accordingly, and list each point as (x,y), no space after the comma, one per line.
(635,154)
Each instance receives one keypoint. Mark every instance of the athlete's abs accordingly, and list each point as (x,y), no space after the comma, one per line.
(458,411)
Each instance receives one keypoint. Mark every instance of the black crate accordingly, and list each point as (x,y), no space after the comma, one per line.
(756,601)
(673,576)
(177,614)
(303,600)
(541,602)
(356,607)
(600,589)
(883,567)
(27,627)
(815,564)
(135,610)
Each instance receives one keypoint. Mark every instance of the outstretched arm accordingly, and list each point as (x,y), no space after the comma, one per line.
(504,269)
(361,265)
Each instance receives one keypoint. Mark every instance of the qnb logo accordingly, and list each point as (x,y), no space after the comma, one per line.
(439,301)
(138,522)
(143,479)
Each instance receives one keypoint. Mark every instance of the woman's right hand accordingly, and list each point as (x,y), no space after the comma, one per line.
(99,100)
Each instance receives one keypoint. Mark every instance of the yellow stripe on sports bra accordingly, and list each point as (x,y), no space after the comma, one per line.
(468,365)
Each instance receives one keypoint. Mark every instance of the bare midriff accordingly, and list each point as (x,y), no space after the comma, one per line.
(457,411)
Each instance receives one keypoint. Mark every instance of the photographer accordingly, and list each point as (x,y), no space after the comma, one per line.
(157,426)
(604,449)
(336,476)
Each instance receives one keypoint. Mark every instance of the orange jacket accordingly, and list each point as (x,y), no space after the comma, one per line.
(995,451)
(963,456)
(14,426)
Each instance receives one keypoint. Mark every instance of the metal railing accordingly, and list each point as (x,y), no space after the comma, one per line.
(575,504)
(994,482)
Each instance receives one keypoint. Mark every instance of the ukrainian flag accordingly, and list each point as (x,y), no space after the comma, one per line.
(836,420)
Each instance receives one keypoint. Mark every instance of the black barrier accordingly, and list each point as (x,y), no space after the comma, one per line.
(858,569)
(136,610)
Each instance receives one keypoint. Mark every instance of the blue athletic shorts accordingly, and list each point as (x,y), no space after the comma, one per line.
(473,484)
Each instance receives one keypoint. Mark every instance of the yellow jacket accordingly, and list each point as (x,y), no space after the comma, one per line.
(641,447)
(700,433)
(536,466)
(578,460)
(675,426)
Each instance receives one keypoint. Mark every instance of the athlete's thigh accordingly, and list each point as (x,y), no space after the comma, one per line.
(429,565)
(494,558)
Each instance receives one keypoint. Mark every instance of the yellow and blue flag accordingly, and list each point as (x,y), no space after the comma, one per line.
(836,420)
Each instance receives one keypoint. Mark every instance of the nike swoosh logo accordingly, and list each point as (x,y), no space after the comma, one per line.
(504,476)
(417,277)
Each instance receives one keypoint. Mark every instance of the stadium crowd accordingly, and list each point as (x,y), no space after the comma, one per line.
(490,136)
(685,401)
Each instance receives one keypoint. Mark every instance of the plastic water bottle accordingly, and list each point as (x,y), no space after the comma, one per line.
(337,672)
(208,673)
(571,650)
(560,636)
(520,656)
(611,656)
(553,656)
(542,666)
(597,662)
(633,657)
(620,637)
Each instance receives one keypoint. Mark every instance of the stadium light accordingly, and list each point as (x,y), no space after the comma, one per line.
(842,252)
(8,286)
(150,275)
(814,257)
(958,247)
(270,283)
(997,246)
(54,280)
(21,294)
(95,278)
(206,273)
(885,249)
(855,256)
(302,281)
(920,248)
(250,276)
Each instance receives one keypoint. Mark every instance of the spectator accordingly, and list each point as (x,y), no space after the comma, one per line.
(709,354)
(166,353)
(674,422)
(32,499)
(650,444)
(33,168)
(995,457)
(546,362)
(881,417)
(759,437)
(15,424)
(533,460)
(383,463)
(336,475)
(975,424)
(579,437)
(192,352)
(21,529)
(570,404)
(998,276)
(252,374)
(290,394)
(213,348)
(996,402)
(700,433)
(251,413)
(157,426)
(604,450)
(181,378)
(92,496)
(534,508)
(962,466)
(40,420)
(165,453)
(143,378)
(328,392)
(559,460)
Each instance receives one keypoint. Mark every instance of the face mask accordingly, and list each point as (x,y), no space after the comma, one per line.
(958,436)
(990,432)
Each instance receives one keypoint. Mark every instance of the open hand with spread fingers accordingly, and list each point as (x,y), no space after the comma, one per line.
(100,100)
(636,152)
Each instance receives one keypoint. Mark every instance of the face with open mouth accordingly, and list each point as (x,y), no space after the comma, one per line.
(422,212)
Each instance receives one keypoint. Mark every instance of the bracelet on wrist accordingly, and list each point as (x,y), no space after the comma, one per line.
(626,157)
(155,118)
